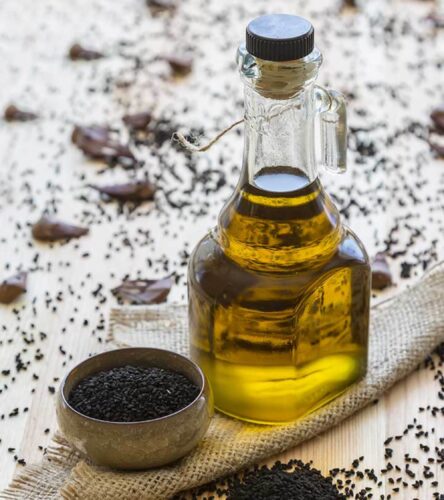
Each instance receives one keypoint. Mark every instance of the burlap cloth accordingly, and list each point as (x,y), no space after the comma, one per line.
(403,331)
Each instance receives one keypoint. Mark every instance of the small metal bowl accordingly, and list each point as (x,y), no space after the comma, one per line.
(136,445)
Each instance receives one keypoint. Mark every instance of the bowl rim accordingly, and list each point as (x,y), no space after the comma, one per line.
(204,384)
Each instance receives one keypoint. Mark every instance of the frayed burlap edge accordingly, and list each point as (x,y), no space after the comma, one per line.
(403,331)
(47,478)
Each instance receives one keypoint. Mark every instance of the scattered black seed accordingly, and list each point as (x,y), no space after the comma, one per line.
(132,394)
(406,269)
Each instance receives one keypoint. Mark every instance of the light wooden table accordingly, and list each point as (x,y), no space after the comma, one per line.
(39,169)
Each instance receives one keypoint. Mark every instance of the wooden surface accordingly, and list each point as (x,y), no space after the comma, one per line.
(40,169)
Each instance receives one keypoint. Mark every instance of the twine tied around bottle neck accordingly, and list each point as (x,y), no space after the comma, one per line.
(277,80)
(193,148)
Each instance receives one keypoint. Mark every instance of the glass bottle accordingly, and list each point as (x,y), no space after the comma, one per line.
(279,290)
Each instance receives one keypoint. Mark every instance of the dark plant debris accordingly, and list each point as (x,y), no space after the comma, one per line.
(51,229)
(381,274)
(14,114)
(138,121)
(144,291)
(12,287)
(181,65)
(132,191)
(438,148)
(437,19)
(161,5)
(437,116)
(349,3)
(79,53)
(99,143)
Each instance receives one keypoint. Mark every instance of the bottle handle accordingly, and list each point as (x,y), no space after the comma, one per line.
(331,106)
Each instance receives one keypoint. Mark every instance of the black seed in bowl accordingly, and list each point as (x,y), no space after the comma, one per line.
(132,394)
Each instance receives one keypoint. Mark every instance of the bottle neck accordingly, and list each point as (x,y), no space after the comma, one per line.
(279,134)
(280,107)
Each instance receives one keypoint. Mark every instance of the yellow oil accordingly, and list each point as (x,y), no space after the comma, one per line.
(279,300)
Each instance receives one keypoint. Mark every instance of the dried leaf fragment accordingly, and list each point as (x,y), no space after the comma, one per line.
(181,65)
(437,20)
(438,148)
(437,116)
(381,274)
(137,121)
(97,142)
(51,229)
(131,191)
(93,132)
(161,5)
(13,114)
(144,291)
(12,287)
(79,53)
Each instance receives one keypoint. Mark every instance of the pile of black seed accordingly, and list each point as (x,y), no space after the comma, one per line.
(132,394)
(294,480)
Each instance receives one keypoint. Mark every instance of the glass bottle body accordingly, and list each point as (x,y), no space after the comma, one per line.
(279,291)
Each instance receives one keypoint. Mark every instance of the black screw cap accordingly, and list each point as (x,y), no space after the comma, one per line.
(280,37)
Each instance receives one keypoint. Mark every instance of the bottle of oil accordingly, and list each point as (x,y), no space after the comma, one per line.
(279,291)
